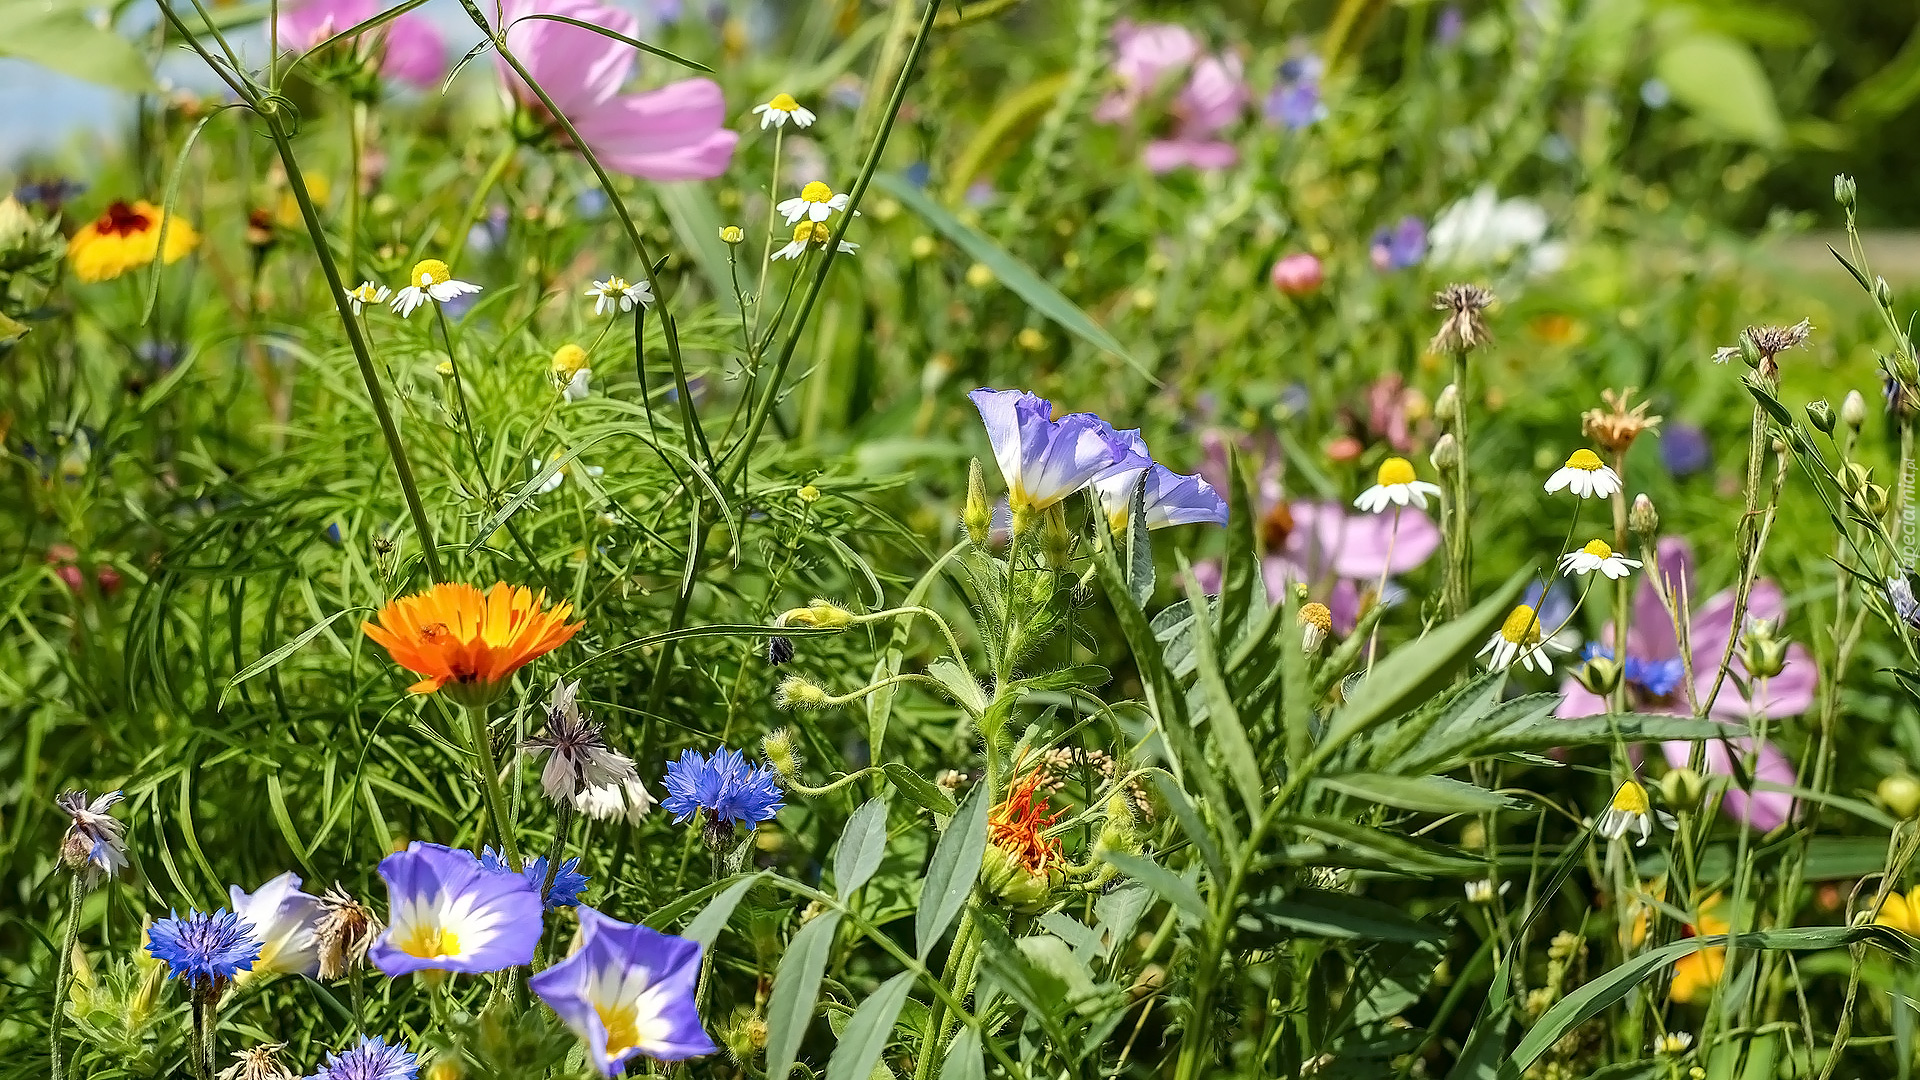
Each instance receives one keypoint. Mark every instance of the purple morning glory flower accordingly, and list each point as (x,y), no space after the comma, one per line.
(627,990)
(1044,460)
(1684,449)
(1402,246)
(1294,103)
(449,913)
(1169,498)
(567,881)
(726,786)
(369,1059)
(204,950)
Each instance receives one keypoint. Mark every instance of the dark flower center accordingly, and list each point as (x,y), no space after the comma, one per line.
(122,220)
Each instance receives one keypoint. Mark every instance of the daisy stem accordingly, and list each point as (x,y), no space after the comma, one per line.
(766,257)
(1621,611)
(490,783)
(63,971)
(1380,587)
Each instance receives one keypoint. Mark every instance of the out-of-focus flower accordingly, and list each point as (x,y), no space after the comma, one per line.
(1702,969)
(1449,27)
(781,109)
(1213,97)
(732,791)
(1655,670)
(1900,912)
(1399,247)
(1598,556)
(365,293)
(1630,811)
(552,483)
(451,914)
(1684,449)
(676,132)
(1396,485)
(343,933)
(50,193)
(283,920)
(204,950)
(127,237)
(430,280)
(1299,274)
(811,232)
(1044,460)
(618,290)
(567,880)
(1673,1043)
(1519,638)
(627,990)
(1146,58)
(1483,230)
(1586,476)
(410,47)
(1294,102)
(572,372)
(372,1058)
(1168,498)
(96,842)
(259,1062)
(468,641)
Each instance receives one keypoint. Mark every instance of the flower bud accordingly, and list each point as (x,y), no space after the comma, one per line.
(1299,274)
(1853,410)
(732,234)
(1820,414)
(978,515)
(1873,499)
(1844,191)
(1600,674)
(445,1067)
(1682,788)
(1643,519)
(1446,454)
(922,247)
(779,650)
(1008,880)
(1764,654)
(1883,293)
(1900,794)
(797,693)
(778,746)
(1446,407)
(1120,832)
(1749,351)
(979,275)
(1056,540)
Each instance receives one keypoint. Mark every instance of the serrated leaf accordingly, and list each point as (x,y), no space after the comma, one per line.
(865,1037)
(951,874)
(796,986)
(863,843)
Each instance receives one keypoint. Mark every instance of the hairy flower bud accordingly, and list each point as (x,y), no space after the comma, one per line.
(1643,519)
(1820,414)
(1845,192)
(797,693)
(778,746)
(1056,540)
(978,515)
(1009,880)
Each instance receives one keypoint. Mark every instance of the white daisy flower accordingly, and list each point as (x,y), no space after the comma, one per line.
(1673,1043)
(1598,556)
(1586,475)
(430,280)
(579,386)
(367,293)
(781,109)
(1630,812)
(1482,891)
(617,290)
(1395,485)
(817,202)
(1519,639)
(552,482)
(571,372)
(811,232)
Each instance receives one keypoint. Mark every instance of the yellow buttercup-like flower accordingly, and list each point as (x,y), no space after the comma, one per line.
(127,237)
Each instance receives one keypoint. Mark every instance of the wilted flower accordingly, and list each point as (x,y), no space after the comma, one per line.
(283,920)
(1463,329)
(343,933)
(578,758)
(627,990)
(372,1058)
(127,237)
(205,951)
(451,914)
(629,797)
(1586,476)
(473,642)
(96,841)
(430,280)
(782,108)
(1616,426)
(261,1062)
(1629,812)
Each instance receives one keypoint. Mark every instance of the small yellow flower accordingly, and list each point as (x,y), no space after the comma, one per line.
(1316,622)
(732,234)
(1031,339)
(1597,555)
(809,493)
(979,276)
(1395,485)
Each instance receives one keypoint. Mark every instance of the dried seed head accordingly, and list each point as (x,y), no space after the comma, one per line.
(1463,329)
(260,1062)
(1620,422)
(344,931)
(1770,341)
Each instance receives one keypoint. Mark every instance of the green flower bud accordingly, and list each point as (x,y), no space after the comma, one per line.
(1853,410)
(778,746)
(1820,414)
(1682,788)
(1643,519)
(1446,454)
(1600,675)
(1764,655)
(797,693)
(978,515)
(1901,795)
(1008,880)
(1844,191)
(1056,540)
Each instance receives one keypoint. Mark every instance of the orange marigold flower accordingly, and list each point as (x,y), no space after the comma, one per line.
(1018,825)
(455,634)
(127,237)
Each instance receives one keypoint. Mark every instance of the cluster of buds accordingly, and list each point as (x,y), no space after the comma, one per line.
(1764,655)
(1868,497)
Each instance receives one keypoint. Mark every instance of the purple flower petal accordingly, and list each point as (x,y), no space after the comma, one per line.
(448,913)
(627,991)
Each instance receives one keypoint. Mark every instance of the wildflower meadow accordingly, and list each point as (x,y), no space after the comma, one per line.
(885,539)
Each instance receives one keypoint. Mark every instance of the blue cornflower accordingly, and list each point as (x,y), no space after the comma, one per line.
(1684,449)
(567,881)
(1656,677)
(370,1059)
(726,786)
(1295,101)
(1402,246)
(1596,650)
(204,950)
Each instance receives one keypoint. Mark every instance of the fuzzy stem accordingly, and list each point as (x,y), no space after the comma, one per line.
(63,971)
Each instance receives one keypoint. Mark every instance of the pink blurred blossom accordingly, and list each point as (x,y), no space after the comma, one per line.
(1299,274)
(1652,646)
(673,133)
(1214,96)
(414,51)
(1387,412)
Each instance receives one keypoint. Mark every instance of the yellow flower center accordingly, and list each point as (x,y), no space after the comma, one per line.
(1316,616)
(430,272)
(821,234)
(1598,549)
(1522,626)
(816,192)
(568,359)
(783,103)
(623,1028)
(1585,460)
(1631,799)
(803,232)
(616,285)
(429,942)
(1395,470)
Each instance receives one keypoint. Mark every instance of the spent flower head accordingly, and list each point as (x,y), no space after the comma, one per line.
(1464,329)
(96,842)
(260,1062)
(1620,422)
(343,933)
(578,758)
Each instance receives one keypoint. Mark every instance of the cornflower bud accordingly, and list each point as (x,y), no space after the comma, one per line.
(1820,414)
(1446,453)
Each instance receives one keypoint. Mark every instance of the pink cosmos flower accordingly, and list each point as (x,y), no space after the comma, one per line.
(673,133)
(1214,96)
(1654,672)
(1147,56)
(415,53)
(1298,274)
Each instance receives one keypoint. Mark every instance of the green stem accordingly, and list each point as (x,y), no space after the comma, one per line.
(63,971)
(554,851)
(490,783)
(477,204)
(1459,590)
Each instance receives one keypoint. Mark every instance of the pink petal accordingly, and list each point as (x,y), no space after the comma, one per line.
(1764,810)
(1787,694)
(1213,98)
(305,25)
(578,68)
(1651,636)
(1166,155)
(416,53)
(673,133)
(1362,543)
(1577,701)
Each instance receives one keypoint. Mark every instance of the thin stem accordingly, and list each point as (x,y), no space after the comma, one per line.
(477,204)
(490,791)
(63,971)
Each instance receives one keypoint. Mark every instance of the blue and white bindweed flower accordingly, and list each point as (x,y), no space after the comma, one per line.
(627,990)
(727,786)
(372,1058)
(567,881)
(283,920)
(1169,498)
(449,913)
(205,951)
(1044,460)
(96,842)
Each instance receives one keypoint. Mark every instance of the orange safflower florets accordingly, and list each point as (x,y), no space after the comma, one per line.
(468,641)
(1018,825)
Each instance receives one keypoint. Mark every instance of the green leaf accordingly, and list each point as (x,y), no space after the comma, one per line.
(796,986)
(951,874)
(1223,720)
(1323,914)
(862,845)
(960,683)
(62,37)
(273,658)
(706,926)
(1139,545)
(1242,581)
(1427,794)
(1720,81)
(865,1037)
(1011,272)
(918,788)
(1173,888)
(1350,841)
(622,38)
(964,1059)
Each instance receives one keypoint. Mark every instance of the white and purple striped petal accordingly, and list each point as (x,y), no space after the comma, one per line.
(447,913)
(627,990)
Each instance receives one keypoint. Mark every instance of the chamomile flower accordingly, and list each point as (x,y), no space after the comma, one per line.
(1519,639)
(813,232)
(1598,556)
(1483,890)
(816,202)
(365,293)
(781,109)
(1586,475)
(430,280)
(1673,1043)
(617,290)
(572,372)
(1630,812)
(1395,485)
